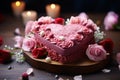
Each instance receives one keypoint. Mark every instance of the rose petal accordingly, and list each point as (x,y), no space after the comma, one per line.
(106,70)
(78,77)
(29,71)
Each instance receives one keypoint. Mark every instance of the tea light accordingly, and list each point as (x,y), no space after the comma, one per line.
(18,7)
(29,16)
(53,10)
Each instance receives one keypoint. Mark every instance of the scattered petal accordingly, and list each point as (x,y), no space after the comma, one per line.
(60,78)
(119,67)
(106,70)
(9,67)
(56,76)
(17,31)
(78,77)
(29,71)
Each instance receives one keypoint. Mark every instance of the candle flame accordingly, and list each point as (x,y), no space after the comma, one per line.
(18,3)
(29,13)
(52,6)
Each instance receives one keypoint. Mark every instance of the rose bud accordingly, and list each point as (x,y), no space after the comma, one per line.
(96,52)
(25,76)
(107,44)
(5,56)
(59,21)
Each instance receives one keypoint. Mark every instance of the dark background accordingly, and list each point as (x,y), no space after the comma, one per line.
(67,6)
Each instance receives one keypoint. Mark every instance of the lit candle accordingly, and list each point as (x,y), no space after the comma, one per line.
(18,7)
(29,16)
(53,10)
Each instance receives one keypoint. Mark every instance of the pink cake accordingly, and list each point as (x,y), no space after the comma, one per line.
(65,43)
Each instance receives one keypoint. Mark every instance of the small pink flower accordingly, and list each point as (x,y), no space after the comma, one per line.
(29,44)
(110,20)
(96,52)
(118,58)
(19,41)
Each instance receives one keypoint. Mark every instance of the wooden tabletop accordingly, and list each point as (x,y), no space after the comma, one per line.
(7,28)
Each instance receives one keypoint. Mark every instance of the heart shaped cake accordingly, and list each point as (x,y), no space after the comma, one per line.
(64,41)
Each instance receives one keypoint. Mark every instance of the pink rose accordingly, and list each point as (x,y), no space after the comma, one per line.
(19,41)
(110,20)
(29,44)
(5,56)
(96,52)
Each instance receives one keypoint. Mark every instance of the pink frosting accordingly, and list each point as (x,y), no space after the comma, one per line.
(84,21)
(96,52)
(62,35)
(45,20)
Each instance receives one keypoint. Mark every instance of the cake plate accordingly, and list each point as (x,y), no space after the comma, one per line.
(83,67)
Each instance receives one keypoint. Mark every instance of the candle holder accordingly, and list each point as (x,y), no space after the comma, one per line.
(53,10)
(29,16)
(18,7)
